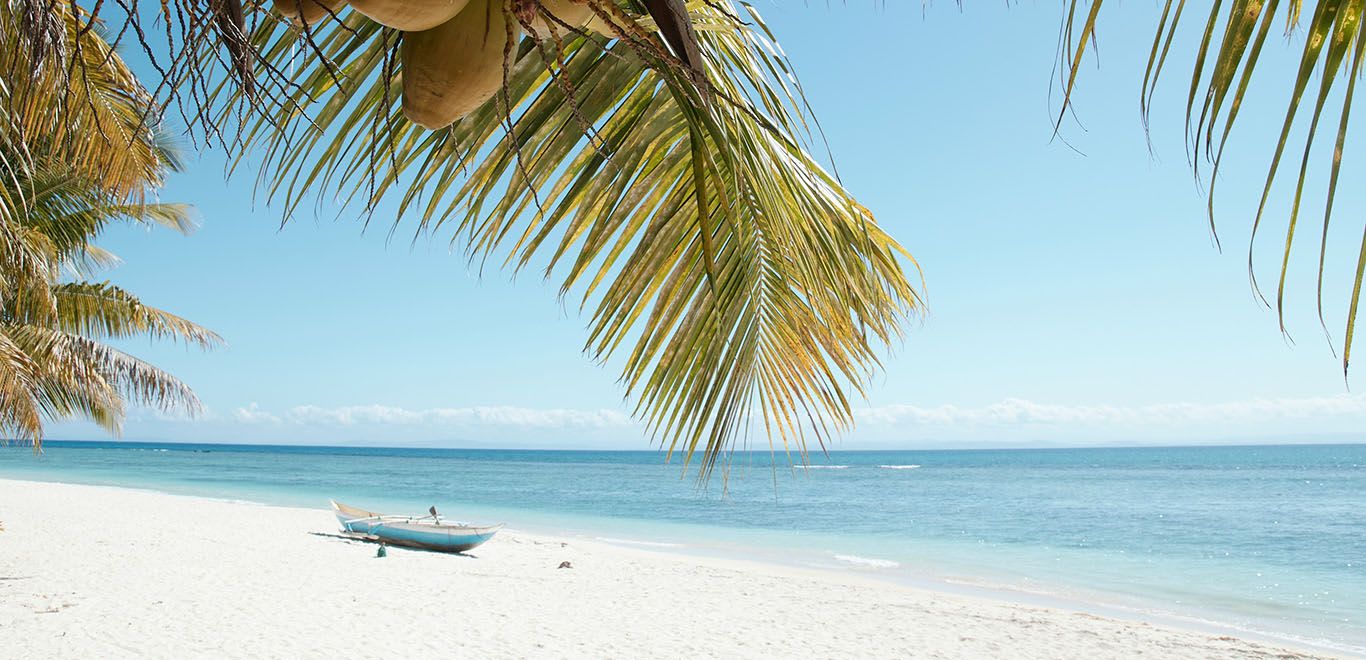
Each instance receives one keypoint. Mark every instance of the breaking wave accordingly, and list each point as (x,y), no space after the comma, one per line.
(651,544)
(866,561)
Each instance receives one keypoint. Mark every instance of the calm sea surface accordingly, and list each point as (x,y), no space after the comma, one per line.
(1268,539)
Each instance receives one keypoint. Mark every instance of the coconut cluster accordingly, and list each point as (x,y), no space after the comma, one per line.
(452,51)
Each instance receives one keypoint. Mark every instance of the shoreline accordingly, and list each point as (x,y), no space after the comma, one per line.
(38,511)
(967,586)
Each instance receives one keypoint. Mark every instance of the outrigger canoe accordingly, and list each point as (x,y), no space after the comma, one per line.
(427,532)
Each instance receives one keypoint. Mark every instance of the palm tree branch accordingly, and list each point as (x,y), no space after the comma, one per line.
(1229,50)
(102,310)
(729,272)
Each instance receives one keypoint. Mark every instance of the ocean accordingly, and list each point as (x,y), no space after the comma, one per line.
(1263,540)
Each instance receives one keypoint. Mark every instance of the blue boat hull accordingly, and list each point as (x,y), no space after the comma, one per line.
(430,539)
(425,533)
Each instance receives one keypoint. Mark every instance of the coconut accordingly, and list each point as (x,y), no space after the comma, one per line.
(308,11)
(578,15)
(409,15)
(602,27)
(568,12)
(452,69)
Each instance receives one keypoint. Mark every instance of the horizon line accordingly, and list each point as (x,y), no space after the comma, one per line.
(1247,443)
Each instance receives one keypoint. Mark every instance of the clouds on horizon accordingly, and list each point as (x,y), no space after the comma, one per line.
(1005,415)
(1014,412)
(497,416)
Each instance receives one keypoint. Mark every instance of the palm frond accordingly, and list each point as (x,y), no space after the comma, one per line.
(66,382)
(1233,35)
(79,149)
(102,310)
(20,416)
(69,96)
(82,376)
(51,364)
(137,381)
(738,280)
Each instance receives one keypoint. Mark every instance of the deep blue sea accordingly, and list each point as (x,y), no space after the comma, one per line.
(1265,539)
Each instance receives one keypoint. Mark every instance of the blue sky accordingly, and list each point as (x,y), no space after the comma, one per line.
(1075,295)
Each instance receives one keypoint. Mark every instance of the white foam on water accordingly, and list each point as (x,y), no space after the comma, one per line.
(899,467)
(824,467)
(867,561)
(652,544)
(231,500)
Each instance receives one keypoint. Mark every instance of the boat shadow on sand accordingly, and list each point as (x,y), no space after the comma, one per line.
(361,539)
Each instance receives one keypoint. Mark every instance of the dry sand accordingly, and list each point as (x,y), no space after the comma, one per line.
(96,572)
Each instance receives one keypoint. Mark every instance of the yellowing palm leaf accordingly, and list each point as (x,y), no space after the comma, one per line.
(739,281)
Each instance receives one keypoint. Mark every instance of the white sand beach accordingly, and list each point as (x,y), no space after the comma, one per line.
(97,572)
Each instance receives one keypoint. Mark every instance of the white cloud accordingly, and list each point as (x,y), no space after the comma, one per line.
(507,416)
(1009,421)
(1018,412)
(253,414)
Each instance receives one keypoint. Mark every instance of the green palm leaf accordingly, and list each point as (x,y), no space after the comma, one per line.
(20,415)
(77,152)
(103,311)
(1234,34)
(737,280)
(67,95)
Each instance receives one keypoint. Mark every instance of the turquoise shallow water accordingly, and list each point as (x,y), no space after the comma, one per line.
(1268,539)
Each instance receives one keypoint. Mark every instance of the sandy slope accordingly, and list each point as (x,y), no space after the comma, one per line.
(105,572)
